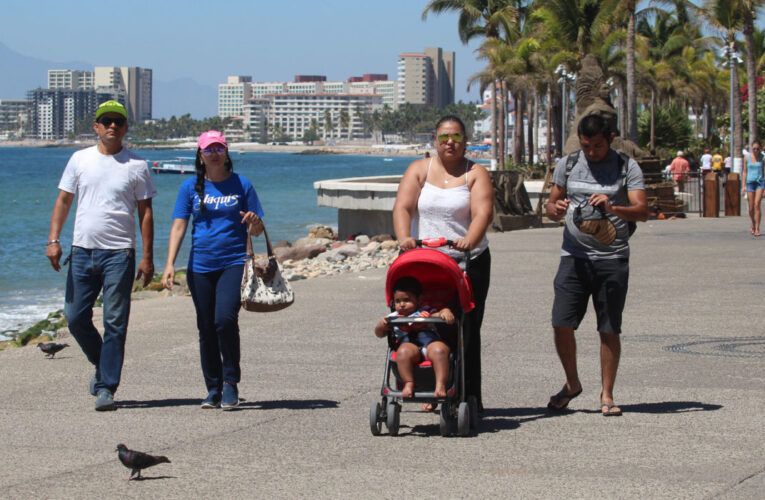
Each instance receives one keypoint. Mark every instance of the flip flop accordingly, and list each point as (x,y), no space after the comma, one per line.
(610,410)
(561,396)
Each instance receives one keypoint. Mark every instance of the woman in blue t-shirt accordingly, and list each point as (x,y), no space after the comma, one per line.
(224,206)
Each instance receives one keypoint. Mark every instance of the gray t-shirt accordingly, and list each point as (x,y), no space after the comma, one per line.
(584,180)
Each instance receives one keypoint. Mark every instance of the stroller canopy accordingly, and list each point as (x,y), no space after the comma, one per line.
(440,276)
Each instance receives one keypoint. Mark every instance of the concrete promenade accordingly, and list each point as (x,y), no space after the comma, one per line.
(691,385)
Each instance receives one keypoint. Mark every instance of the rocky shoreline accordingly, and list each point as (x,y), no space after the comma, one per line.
(318,254)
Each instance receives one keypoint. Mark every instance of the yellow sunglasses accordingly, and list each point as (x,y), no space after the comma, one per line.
(442,138)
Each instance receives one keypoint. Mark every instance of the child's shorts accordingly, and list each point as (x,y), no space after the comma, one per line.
(422,339)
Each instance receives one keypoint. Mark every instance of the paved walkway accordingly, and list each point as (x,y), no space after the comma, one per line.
(690,384)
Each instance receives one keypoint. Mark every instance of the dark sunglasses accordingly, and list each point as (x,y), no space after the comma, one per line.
(107,121)
(442,138)
(213,149)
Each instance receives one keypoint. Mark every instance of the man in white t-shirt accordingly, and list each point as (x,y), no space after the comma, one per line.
(706,162)
(110,183)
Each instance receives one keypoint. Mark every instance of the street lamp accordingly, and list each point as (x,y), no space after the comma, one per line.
(565,76)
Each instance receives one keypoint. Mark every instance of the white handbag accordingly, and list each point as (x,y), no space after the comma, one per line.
(264,289)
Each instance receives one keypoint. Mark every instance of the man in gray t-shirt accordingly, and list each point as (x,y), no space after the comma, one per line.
(593,265)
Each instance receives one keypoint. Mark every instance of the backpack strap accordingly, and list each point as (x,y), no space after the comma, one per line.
(571,162)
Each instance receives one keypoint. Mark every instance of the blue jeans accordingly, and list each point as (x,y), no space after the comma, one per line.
(90,271)
(217,300)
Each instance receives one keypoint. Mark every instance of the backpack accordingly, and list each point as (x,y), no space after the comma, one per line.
(622,161)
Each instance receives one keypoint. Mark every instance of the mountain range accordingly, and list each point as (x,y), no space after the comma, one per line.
(174,97)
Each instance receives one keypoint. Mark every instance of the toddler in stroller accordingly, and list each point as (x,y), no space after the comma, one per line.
(416,341)
(429,294)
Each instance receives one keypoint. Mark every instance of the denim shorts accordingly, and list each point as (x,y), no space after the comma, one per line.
(751,187)
(422,339)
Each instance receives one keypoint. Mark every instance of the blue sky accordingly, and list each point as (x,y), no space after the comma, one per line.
(271,41)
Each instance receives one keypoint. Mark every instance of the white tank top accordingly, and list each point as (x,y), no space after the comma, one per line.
(445,212)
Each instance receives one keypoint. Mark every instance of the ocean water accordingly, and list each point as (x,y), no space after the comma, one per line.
(30,288)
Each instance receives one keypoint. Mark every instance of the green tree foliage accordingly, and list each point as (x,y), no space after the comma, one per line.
(411,120)
(672,129)
(174,128)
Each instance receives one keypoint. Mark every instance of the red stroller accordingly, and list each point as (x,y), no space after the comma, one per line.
(444,284)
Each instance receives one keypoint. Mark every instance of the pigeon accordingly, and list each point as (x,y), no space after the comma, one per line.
(136,460)
(51,348)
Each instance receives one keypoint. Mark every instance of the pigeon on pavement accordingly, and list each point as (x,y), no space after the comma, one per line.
(51,348)
(136,460)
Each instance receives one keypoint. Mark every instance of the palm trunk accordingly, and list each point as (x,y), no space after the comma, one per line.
(751,77)
(535,135)
(653,109)
(622,109)
(549,124)
(530,127)
(738,120)
(632,132)
(518,132)
(502,125)
(494,120)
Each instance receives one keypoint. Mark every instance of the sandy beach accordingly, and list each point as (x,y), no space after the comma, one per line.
(245,147)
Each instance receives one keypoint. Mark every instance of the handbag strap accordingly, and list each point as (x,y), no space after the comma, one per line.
(251,251)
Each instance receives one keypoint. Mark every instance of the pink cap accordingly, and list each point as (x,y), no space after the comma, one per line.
(211,137)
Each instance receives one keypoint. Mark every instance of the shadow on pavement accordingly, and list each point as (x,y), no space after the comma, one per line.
(289,404)
(151,478)
(158,403)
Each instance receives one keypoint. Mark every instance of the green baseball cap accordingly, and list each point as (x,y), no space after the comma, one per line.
(111,107)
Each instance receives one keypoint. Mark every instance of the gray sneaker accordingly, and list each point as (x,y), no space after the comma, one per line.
(92,385)
(105,401)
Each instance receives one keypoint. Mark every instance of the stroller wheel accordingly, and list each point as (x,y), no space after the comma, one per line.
(375,424)
(463,419)
(445,420)
(393,418)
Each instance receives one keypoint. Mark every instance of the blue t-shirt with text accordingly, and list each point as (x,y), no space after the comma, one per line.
(218,237)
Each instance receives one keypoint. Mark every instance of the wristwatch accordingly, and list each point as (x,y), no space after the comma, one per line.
(51,242)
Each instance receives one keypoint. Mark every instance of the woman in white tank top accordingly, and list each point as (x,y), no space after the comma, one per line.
(450,196)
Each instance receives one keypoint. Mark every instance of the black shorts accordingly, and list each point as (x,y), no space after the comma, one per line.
(578,279)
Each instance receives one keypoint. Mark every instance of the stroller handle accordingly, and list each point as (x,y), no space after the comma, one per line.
(440,242)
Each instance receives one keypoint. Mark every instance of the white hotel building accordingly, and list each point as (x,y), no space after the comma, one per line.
(294,106)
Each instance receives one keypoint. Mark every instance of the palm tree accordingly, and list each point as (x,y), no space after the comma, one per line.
(727,18)
(328,125)
(345,120)
(748,11)
(479,18)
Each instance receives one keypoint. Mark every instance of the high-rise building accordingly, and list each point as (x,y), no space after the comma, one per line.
(56,112)
(426,77)
(14,113)
(135,82)
(334,116)
(233,94)
(70,79)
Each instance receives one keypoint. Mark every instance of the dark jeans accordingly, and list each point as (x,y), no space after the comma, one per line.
(479,272)
(217,300)
(91,270)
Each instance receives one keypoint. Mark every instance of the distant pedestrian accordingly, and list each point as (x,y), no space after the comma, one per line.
(680,168)
(727,164)
(110,183)
(594,261)
(717,163)
(706,162)
(224,207)
(755,185)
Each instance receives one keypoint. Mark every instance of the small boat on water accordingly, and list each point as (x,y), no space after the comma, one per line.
(180,165)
